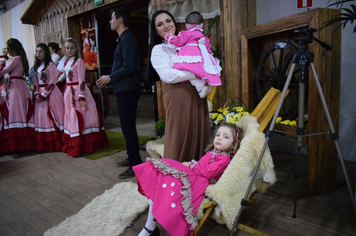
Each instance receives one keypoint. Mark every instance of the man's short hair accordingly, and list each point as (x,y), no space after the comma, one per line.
(54,46)
(124,13)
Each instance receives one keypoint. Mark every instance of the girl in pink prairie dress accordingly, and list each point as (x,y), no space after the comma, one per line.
(49,105)
(195,54)
(175,190)
(83,124)
(18,132)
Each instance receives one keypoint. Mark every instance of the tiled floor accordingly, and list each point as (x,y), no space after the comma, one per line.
(38,191)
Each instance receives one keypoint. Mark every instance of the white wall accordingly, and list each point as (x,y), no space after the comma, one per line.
(274,9)
(12,27)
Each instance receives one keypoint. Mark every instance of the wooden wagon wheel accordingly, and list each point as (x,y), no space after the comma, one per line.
(272,71)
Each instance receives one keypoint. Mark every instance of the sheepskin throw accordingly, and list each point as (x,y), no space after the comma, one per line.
(106,215)
(231,187)
(155,148)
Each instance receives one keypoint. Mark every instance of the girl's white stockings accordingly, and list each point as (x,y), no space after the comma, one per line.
(150,223)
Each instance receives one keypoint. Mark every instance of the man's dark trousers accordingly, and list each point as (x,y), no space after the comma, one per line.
(127,107)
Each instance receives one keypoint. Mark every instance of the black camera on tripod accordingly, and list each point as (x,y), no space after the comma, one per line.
(307,36)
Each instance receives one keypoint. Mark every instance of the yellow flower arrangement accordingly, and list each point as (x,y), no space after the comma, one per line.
(229,115)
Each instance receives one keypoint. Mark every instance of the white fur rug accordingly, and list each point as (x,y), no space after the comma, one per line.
(106,215)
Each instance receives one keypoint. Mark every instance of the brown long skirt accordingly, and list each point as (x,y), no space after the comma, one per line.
(187,129)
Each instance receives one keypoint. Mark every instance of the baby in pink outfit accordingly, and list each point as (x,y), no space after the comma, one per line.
(195,54)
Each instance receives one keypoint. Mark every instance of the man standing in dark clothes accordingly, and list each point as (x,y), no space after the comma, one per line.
(127,87)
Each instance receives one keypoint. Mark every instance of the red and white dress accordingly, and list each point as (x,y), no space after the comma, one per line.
(49,110)
(17,111)
(195,55)
(83,128)
(177,190)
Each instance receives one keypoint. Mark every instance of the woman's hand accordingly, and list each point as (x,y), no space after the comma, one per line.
(84,104)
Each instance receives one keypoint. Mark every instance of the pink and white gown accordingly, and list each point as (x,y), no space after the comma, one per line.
(177,190)
(18,133)
(83,128)
(49,110)
(195,55)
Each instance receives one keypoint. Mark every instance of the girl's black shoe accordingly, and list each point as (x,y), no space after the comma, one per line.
(154,232)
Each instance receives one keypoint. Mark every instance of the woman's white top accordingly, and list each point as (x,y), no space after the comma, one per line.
(162,59)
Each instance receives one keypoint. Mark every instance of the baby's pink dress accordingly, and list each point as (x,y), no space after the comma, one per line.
(49,111)
(195,55)
(83,128)
(18,132)
(177,190)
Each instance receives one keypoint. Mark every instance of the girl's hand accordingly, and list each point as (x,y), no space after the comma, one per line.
(84,104)
(186,163)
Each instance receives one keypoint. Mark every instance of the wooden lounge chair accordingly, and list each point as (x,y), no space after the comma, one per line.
(223,199)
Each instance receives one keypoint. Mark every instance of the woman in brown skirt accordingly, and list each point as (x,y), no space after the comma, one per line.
(187,118)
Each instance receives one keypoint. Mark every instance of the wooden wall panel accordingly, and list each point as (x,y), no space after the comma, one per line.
(322,155)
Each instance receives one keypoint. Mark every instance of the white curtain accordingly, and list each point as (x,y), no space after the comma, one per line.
(181,8)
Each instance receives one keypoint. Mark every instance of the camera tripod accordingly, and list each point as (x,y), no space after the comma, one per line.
(304,58)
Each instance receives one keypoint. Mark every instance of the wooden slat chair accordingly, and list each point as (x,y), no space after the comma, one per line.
(155,147)
(222,201)
(265,110)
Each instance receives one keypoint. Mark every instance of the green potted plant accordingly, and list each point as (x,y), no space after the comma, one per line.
(348,15)
(159,128)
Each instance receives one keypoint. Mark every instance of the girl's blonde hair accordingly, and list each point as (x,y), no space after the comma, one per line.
(78,53)
(236,135)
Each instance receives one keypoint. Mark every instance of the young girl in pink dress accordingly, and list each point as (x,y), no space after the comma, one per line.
(49,105)
(195,54)
(175,190)
(83,124)
(17,108)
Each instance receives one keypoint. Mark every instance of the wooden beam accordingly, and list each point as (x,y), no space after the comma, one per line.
(291,22)
(32,12)
(56,8)
(76,2)
(65,4)
(71,3)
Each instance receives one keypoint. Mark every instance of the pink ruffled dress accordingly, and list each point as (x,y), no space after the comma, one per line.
(49,111)
(195,55)
(18,132)
(83,128)
(177,190)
